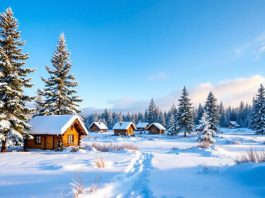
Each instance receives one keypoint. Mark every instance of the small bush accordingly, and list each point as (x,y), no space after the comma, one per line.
(251,156)
(107,147)
(204,144)
(74,149)
(78,185)
(100,163)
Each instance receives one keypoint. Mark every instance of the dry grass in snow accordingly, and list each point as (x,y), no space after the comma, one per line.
(251,156)
(107,147)
(204,144)
(78,185)
(100,163)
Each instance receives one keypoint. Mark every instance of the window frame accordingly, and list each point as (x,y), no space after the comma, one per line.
(70,139)
(38,139)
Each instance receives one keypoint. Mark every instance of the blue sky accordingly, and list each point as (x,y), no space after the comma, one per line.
(126,52)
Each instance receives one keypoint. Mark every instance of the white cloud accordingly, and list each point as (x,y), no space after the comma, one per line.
(158,76)
(230,92)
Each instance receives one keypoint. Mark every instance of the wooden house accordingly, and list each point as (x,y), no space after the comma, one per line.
(233,125)
(142,126)
(124,128)
(156,128)
(98,127)
(56,131)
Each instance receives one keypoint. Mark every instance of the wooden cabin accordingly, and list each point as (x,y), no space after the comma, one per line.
(124,128)
(156,128)
(233,125)
(98,127)
(142,126)
(56,131)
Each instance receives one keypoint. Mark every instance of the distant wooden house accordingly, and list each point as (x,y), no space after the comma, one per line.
(142,126)
(156,128)
(56,131)
(233,125)
(124,128)
(98,127)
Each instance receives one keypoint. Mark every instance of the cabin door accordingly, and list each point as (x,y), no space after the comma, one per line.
(49,142)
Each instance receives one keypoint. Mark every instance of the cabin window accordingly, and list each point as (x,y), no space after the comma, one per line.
(70,138)
(38,139)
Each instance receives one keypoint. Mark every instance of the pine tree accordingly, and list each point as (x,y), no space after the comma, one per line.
(152,112)
(205,134)
(185,116)
(212,110)
(258,115)
(13,80)
(223,122)
(172,128)
(39,103)
(198,113)
(59,89)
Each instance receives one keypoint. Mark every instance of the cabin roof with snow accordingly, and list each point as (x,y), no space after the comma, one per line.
(123,125)
(157,125)
(54,124)
(233,123)
(100,125)
(142,125)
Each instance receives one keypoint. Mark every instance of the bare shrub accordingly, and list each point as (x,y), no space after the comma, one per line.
(94,186)
(107,147)
(100,163)
(204,144)
(78,184)
(251,156)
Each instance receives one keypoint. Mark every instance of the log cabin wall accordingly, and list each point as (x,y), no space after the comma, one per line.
(155,130)
(71,131)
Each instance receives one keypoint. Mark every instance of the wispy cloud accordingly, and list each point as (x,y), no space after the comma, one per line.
(158,76)
(255,47)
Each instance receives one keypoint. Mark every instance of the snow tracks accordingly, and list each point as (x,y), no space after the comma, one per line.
(135,181)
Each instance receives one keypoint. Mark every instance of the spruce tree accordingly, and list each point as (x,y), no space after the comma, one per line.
(223,122)
(185,116)
(13,80)
(172,128)
(59,91)
(212,110)
(205,134)
(39,103)
(258,114)
(152,112)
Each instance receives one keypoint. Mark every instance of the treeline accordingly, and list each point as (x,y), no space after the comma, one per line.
(240,114)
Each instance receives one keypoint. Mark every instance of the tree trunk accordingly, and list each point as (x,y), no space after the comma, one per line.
(3,149)
(185,135)
(25,144)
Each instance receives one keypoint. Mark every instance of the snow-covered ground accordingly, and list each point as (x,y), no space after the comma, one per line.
(164,166)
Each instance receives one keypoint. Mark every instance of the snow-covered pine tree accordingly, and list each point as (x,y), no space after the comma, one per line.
(60,95)
(205,134)
(152,112)
(39,104)
(212,110)
(198,114)
(13,80)
(185,115)
(258,114)
(172,128)
(223,122)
